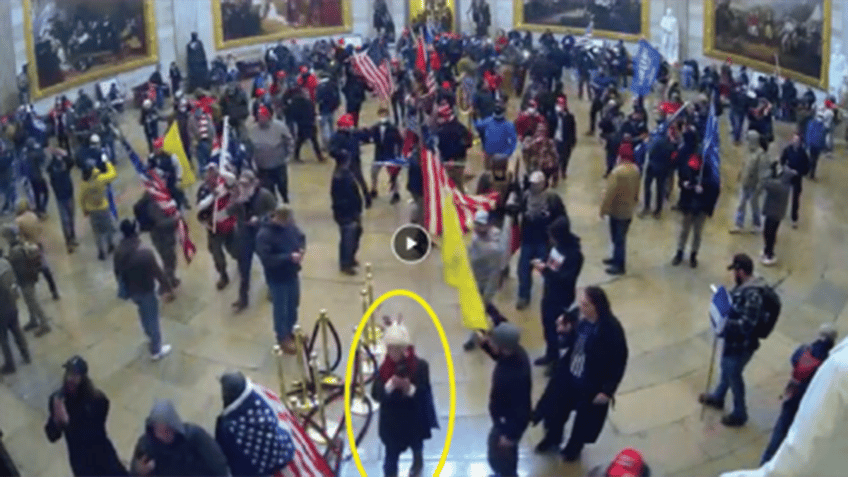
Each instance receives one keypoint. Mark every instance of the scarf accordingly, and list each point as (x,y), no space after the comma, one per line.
(389,367)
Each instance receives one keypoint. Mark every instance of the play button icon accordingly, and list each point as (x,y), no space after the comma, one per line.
(411,244)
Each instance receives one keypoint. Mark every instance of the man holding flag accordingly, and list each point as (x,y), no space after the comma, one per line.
(373,65)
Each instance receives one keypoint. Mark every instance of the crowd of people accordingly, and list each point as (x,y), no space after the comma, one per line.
(242,140)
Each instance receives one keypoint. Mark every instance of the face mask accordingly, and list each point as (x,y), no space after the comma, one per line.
(531,110)
(560,109)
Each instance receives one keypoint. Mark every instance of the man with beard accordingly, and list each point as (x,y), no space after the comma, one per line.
(78,411)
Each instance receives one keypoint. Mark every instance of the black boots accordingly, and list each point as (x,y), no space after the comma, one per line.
(693,259)
(678,258)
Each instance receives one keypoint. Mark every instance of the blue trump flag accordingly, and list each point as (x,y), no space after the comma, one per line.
(719,309)
(646,66)
(711,168)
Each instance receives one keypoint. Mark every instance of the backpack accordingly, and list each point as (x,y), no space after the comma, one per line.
(769,313)
(142,214)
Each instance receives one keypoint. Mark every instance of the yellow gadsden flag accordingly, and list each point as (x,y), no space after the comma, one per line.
(458,269)
(174,145)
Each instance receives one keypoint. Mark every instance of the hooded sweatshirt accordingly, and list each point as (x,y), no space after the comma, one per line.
(193,451)
(777,195)
(486,254)
(757,165)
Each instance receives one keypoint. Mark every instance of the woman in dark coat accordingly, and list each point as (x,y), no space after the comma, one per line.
(78,411)
(560,271)
(407,412)
(586,377)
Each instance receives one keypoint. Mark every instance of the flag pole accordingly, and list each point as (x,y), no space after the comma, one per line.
(712,363)
(703,156)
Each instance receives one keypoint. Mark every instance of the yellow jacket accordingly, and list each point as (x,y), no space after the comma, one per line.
(93,191)
(622,193)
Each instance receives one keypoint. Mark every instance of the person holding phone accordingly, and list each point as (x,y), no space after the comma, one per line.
(78,411)
(407,411)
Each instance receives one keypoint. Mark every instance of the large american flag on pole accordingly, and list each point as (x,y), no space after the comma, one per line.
(426,59)
(261,435)
(373,65)
(436,185)
(159,191)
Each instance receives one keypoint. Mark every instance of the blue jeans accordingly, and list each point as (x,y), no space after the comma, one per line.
(349,243)
(781,428)
(246,240)
(746,196)
(325,123)
(285,298)
(203,153)
(736,120)
(66,216)
(393,452)
(731,378)
(148,313)
(660,177)
(618,235)
(529,251)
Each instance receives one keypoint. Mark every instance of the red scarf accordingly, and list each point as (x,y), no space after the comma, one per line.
(388,368)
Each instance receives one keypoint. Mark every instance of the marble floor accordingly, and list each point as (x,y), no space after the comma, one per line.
(663,310)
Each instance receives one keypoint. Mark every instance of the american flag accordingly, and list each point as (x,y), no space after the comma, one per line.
(157,189)
(262,435)
(427,59)
(437,183)
(373,65)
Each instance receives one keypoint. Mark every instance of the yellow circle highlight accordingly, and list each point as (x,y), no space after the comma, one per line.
(352,358)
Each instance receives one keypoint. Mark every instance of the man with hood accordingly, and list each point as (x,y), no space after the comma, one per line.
(78,411)
(407,412)
(755,168)
(95,205)
(235,104)
(170,446)
(9,323)
(560,270)
(281,246)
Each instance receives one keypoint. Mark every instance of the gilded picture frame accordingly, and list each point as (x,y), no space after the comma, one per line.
(149,56)
(224,40)
(417,8)
(600,29)
(716,47)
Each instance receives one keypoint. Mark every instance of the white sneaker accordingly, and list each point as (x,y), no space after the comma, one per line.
(164,350)
(769,261)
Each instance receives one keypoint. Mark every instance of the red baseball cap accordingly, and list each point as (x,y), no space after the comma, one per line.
(264,112)
(304,69)
(159,143)
(260,91)
(628,463)
(562,101)
(445,85)
(345,121)
(281,74)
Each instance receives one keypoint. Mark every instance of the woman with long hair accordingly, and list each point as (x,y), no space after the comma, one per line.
(586,377)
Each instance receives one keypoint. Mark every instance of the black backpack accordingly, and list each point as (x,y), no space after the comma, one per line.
(769,313)
(142,214)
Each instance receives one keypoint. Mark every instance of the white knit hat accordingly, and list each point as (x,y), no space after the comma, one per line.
(396,335)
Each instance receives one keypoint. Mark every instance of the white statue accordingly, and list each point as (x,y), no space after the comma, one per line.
(670,47)
(838,68)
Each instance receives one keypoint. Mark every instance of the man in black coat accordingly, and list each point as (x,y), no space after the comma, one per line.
(659,164)
(509,399)
(198,67)
(78,411)
(354,93)
(586,376)
(560,269)
(387,146)
(301,110)
(235,104)
(795,157)
(347,212)
(563,129)
(454,141)
(698,199)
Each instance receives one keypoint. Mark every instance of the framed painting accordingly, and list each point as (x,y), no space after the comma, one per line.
(441,14)
(790,35)
(627,20)
(248,22)
(71,42)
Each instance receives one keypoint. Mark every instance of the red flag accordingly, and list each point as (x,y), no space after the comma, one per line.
(436,182)
(421,57)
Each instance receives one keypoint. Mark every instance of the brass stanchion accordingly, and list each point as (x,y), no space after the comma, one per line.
(361,398)
(305,403)
(321,419)
(281,375)
(374,334)
(326,376)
